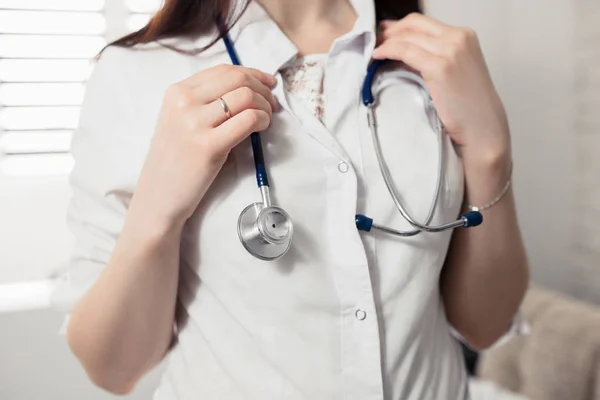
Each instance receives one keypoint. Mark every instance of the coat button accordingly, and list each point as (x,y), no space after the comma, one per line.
(343,167)
(360,315)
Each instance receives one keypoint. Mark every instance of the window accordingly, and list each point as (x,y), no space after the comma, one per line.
(141,11)
(46,53)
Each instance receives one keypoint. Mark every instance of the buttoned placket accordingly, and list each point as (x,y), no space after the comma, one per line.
(360,338)
(361,358)
(360,327)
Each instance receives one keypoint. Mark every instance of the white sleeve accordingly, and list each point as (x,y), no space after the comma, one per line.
(519,327)
(103,176)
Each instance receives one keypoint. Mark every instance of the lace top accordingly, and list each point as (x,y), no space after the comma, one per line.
(303,79)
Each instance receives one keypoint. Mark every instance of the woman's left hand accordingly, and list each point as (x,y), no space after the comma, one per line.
(453,67)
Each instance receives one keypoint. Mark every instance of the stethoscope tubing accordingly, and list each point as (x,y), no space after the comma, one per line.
(264,249)
(369,101)
(262,178)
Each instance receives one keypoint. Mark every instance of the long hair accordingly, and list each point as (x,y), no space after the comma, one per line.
(192,17)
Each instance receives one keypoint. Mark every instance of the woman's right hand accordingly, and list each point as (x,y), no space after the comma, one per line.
(193,138)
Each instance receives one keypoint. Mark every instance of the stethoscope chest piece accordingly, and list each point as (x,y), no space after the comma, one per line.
(266,232)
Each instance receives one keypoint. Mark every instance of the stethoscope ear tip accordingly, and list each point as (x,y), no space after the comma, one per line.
(472,219)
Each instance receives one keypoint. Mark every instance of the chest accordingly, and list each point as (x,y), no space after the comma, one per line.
(323,173)
(323,111)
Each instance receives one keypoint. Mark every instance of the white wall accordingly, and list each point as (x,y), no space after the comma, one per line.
(34,240)
(586,240)
(528,45)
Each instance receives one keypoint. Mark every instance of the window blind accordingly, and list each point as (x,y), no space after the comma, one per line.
(141,11)
(46,53)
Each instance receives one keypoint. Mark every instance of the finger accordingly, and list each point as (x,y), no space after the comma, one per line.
(233,131)
(228,82)
(409,53)
(416,22)
(237,101)
(431,44)
(214,72)
(267,79)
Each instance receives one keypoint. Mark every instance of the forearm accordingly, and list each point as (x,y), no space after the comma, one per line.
(124,325)
(486,272)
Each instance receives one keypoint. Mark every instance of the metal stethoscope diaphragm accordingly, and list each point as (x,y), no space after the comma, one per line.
(265,230)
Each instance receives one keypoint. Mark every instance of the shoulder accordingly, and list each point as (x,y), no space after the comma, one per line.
(157,63)
(142,74)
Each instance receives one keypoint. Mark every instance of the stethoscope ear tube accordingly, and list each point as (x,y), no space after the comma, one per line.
(471,219)
(367,90)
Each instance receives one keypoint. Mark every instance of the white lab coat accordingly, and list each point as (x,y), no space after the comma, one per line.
(345,314)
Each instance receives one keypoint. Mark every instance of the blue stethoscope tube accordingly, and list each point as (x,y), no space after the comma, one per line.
(266,230)
(262,178)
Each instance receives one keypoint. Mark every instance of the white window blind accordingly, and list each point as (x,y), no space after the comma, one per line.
(141,11)
(46,53)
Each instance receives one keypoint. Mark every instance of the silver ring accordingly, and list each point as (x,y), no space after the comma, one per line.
(226,109)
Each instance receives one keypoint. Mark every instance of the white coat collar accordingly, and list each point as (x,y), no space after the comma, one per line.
(261,44)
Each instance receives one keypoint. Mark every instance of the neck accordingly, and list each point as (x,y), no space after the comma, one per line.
(294,14)
(312,25)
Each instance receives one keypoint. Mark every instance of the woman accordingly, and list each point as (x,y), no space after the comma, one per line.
(163,169)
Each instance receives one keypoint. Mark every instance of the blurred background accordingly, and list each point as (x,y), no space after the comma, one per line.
(544,56)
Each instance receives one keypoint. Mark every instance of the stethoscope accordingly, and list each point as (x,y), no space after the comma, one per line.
(266,230)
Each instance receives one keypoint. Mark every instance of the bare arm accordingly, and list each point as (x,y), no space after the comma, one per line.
(124,324)
(486,273)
